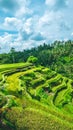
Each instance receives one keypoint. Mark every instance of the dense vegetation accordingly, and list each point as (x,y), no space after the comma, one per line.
(34,97)
(58,56)
(37,94)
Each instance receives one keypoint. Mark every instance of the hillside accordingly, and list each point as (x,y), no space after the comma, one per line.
(58,56)
(34,97)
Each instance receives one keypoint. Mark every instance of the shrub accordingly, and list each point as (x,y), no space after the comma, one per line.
(33,60)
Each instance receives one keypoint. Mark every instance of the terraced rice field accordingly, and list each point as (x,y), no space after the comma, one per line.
(34,97)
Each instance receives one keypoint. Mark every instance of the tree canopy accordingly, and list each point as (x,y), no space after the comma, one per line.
(58,56)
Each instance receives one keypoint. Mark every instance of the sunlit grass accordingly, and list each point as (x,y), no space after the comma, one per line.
(39,93)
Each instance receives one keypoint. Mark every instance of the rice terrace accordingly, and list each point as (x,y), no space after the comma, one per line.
(34,97)
(36,64)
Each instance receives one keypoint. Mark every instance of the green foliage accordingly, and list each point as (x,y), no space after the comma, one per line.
(58,56)
(31,97)
(33,60)
(35,120)
(3,100)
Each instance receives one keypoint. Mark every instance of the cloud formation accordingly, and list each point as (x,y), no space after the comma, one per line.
(56,4)
(28,23)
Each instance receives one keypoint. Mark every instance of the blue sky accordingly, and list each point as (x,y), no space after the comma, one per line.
(28,23)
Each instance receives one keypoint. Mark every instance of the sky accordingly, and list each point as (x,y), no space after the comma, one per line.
(28,23)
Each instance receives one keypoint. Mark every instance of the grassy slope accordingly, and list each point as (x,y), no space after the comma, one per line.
(34,98)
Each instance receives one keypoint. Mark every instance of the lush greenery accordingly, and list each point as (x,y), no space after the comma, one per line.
(37,94)
(58,56)
(34,97)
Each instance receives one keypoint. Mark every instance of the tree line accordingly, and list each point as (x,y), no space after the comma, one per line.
(58,56)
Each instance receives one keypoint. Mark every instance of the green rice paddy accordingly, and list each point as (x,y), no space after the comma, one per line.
(34,97)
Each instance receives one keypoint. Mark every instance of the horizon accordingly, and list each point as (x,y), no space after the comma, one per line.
(35,47)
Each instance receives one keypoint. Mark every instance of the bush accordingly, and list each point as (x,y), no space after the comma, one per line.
(33,60)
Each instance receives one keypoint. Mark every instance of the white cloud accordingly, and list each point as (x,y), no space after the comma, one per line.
(28,25)
(47,18)
(57,4)
(50,2)
(72,34)
(12,23)
(17,8)
(22,12)
(23,9)
(49,23)
(6,38)
(34,21)
(5,42)
(65,39)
